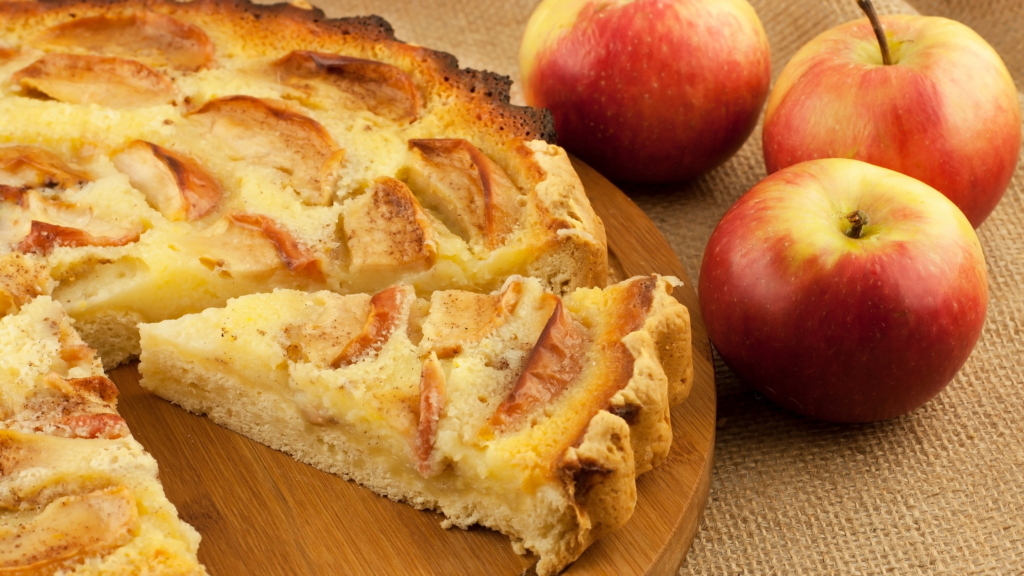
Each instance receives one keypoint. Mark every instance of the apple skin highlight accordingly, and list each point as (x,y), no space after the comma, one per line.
(835,328)
(946,112)
(648,91)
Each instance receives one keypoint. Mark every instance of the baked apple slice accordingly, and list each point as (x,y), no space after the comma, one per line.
(34,167)
(433,397)
(322,340)
(295,255)
(105,80)
(68,531)
(156,39)
(34,223)
(233,251)
(556,361)
(473,196)
(349,328)
(461,318)
(71,407)
(43,237)
(381,88)
(386,231)
(70,398)
(268,133)
(388,309)
(174,184)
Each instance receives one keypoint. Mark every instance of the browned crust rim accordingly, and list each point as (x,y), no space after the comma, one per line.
(483,87)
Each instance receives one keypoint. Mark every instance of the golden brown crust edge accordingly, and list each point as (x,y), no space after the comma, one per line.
(635,433)
(579,257)
(662,369)
(601,482)
(669,327)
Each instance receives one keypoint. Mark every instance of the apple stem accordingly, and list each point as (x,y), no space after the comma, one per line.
(858,219)
(869,9)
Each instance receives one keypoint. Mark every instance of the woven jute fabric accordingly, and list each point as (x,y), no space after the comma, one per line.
(940,491)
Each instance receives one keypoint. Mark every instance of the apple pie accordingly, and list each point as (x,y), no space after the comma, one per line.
(158,158)
(78,494)
(519,410)
(341,245)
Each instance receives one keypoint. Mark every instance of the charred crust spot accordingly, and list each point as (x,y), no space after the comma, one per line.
(582,475)
(628,412)
(589,474)
(525,121)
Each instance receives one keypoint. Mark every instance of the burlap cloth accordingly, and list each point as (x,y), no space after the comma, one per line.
(940,491)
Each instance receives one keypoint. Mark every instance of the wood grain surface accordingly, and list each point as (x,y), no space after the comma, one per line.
(261,512)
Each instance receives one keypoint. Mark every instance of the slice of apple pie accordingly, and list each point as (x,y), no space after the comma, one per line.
(160,157)
(518,410)
(78,495)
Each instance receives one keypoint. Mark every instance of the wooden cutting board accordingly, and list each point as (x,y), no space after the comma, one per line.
(261,512)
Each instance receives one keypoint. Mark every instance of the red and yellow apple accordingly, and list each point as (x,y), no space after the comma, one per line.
(648,91)
(945,111)
(844,291)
